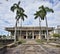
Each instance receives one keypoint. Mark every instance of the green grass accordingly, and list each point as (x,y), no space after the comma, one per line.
(1,45)
(16,44)
(39,41)
(21,41)
(57,45)
(11,45)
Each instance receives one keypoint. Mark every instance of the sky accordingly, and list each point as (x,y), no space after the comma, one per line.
(7,17)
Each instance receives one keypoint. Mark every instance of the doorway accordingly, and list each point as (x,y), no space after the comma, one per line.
(29,34)
(29,37)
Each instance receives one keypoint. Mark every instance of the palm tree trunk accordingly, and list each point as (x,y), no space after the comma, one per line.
(47,29)
(20,29)
(15,33)
(40,28)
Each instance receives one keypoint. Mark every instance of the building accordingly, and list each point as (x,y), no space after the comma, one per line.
(29,32)
(57,30)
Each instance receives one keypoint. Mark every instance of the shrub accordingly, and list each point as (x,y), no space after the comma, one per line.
(56,35)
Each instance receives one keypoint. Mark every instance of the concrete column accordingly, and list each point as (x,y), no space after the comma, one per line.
(26,35)
(45,36)
(32,34)
(39,35)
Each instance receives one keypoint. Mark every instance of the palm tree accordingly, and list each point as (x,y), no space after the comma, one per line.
(39,14)
(45,11)
(19,15)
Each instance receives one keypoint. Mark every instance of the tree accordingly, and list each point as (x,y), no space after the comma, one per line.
(56,35)
(4,36)
(45,11)
(19,15)
(40,14)
(0,36)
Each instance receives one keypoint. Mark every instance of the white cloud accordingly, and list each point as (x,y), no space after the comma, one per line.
(7,18)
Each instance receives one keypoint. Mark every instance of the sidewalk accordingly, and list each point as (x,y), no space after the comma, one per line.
(54,44)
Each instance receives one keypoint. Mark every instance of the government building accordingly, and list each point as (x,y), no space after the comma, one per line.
(29,32)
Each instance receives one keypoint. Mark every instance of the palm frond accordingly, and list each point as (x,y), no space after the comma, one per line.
(22,10)
(17,17)
(15,4)
(36,17)
(21,15)
(41,7)
(49,9)
(22,18)
(19,3)
(13,8)
(19,11)
(40,14)
(24,15)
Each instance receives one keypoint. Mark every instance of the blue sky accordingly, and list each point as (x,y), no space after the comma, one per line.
(7,18)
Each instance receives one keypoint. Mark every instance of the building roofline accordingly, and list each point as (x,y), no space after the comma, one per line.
(27,28)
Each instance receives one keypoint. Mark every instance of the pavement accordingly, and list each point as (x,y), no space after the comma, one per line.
(31,47)
(54,44)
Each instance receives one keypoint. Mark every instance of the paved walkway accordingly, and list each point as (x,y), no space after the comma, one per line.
(31,47)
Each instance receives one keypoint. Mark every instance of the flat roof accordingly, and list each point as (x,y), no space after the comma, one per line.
(28,28)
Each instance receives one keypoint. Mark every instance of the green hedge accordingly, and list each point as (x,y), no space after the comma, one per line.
(56,35)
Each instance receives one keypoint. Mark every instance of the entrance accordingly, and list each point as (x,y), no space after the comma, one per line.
(43,37)
(24,37)
(29,37)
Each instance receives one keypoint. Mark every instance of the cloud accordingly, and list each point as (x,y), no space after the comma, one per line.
(7,17)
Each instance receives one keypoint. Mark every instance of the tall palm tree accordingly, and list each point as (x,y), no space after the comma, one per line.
(39,14)
(46,10)
(19,15)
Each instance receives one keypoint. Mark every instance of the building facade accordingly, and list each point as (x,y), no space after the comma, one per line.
(29,32)
(57,30)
